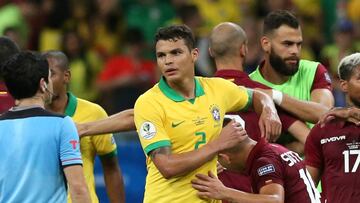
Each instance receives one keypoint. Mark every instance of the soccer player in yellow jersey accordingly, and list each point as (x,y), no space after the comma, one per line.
(179,120)
(84,111)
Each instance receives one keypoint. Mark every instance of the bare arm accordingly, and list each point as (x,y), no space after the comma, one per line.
(315,173)
(311,111)
(77,186)
(113,179)
(172,165)
(210,187)
(299,130)
(122,121)
(269,121)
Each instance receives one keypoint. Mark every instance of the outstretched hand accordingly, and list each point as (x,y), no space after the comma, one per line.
(209,187)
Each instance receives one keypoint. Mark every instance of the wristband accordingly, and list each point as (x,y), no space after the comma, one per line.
(277,96)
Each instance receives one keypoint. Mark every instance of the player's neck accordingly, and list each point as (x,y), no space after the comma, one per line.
(230,64)
(269,74)
(244,153)
(350,103)
(185,88)
(36,100)
(59,104)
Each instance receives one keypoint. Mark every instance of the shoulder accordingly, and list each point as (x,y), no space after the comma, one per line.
(265,165)
(211,79)
(152,100)
(306,64)
(215,83)
(150,95)
(90,107)
(29,113)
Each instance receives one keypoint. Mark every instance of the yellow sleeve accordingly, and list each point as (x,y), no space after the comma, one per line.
(104,145)
(149,117)
(237,98)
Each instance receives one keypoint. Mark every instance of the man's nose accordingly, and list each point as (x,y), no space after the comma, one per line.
(295,49)
(168,59)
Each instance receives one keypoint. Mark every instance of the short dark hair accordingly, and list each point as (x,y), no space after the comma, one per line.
(8,48)
(278,18)
(22,74)
(61,58)
(176,32)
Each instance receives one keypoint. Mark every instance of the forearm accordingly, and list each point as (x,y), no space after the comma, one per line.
(114,185)
(79,194)
(173,165)
(305,110)
(299,130)
(77,186)
(122,121)
(262,101)
(232,195)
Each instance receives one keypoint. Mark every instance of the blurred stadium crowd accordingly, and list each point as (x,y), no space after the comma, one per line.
(109,42)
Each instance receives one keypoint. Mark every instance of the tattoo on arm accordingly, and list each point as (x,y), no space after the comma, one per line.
(161,150)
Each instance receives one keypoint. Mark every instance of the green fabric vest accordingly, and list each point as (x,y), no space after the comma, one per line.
(298,85)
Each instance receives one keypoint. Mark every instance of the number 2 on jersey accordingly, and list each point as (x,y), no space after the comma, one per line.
(202,141)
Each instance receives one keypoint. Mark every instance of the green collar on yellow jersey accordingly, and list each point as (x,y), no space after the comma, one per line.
(71,106)
(173,95)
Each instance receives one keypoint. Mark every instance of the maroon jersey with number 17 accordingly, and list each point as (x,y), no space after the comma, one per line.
(335,151)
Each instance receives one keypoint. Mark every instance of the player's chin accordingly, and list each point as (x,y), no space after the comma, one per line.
(172,78)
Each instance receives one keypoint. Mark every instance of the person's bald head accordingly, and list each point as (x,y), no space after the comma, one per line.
(226,40)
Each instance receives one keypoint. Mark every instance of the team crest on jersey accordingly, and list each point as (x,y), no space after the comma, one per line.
(147,130)
(266,169)
(215,112)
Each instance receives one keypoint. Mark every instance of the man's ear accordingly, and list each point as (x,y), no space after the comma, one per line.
(243,49)
(194,54)
(43,85)
(344,85)
(224,157)
(265,44)
(67,76)
(210,52)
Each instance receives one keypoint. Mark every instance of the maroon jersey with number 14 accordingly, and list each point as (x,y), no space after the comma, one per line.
(273,163)
(234,179)
(335,151)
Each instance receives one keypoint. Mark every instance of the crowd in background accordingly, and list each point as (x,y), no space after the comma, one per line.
(110,42)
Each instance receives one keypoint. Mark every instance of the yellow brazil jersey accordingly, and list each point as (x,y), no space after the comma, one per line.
(165,118)
(84,111)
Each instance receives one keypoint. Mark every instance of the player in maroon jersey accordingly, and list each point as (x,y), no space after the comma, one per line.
(7,49)
(333,151)
(228,47)
(276,174)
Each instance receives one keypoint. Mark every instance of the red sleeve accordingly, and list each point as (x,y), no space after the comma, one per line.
(286,119)
(313,153)
(266,171)
(322,79)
